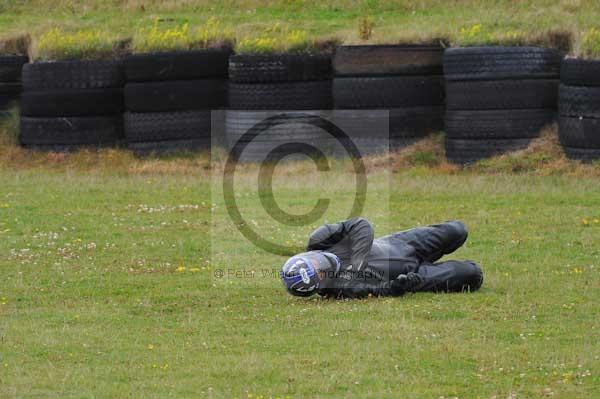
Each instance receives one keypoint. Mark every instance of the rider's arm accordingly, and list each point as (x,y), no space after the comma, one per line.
(357,231)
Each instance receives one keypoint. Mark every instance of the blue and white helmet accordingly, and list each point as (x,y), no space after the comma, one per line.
(299,276)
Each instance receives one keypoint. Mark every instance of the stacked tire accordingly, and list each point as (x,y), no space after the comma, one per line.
(497,99)
(406,81)
(579,109)
(287,95)
(71,104)
(169,98)
(10,81)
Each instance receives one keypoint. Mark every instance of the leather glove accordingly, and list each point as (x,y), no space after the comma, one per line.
(410,282)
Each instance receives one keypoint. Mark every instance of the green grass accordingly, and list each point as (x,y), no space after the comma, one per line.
(502,21)
(57,44)
(108,291)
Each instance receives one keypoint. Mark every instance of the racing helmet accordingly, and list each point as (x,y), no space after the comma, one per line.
(299,276)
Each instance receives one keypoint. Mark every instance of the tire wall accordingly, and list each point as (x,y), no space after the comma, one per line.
(294,88)
(69,104)
(498,99)
(579,109)
(405,81)
(169,98)
(10,82)
(489,100)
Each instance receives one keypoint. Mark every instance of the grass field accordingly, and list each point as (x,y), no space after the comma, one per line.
(462,22)
(108,290)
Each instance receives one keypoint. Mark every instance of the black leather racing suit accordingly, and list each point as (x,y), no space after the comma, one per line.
(371,266)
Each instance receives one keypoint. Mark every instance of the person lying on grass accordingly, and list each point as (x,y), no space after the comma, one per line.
(343,260)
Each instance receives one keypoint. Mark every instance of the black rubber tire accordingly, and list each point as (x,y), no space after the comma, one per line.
(579,132)
(578,72)
(279,68)
(410,122)
(461,151)
(579,101)
(388,92)
(497,124)
(170,146)
(10,89)
(88,102)
(377,60)
(176,95)
(361,134)
(177,65)
(280,95)
(73,75)
(71,131)
(582,154)
(501,94)
(237,123)
(162,126)
(402,122)
(257,152)
(415,121)
(10,67)
(490,63)
(9,94)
